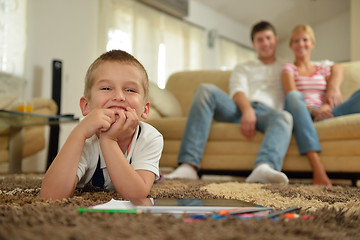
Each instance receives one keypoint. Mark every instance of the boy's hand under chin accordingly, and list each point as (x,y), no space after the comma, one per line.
(97,120)
(124,126)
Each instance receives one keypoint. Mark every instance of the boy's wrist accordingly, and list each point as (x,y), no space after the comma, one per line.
(107,139)
(78,132)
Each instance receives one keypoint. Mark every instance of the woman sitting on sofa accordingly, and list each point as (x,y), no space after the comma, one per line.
(305,86)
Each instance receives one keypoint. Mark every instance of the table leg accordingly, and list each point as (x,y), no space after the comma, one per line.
(15,150)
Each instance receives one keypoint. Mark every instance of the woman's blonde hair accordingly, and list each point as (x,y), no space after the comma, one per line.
(305,28)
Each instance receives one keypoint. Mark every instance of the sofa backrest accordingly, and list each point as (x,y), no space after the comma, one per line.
(351,78)
(183,84)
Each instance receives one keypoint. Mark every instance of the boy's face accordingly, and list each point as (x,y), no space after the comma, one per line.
(265,44)
(117,86)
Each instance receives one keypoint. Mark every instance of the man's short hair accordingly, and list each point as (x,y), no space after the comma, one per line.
(261,26)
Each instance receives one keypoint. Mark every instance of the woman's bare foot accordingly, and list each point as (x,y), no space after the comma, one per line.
(319,173)
(321,179)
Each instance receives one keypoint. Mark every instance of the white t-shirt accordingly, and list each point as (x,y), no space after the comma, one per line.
(144,154)
(259,82)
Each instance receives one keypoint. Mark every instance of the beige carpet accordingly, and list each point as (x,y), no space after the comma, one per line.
(335,212)
(309,198)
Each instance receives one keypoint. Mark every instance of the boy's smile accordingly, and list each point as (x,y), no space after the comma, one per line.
(118,86)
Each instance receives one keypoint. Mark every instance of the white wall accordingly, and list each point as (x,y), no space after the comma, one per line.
(333,36)
(209,19)
(67,30)
(332,40)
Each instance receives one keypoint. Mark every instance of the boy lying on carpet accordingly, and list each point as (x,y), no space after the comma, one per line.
(110,148)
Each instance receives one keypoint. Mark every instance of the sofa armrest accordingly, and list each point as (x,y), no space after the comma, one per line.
(34,136)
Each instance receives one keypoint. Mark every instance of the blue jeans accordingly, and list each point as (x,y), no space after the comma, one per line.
(209,102)
(304,129)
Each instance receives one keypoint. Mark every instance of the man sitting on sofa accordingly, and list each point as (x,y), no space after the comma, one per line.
(256,102)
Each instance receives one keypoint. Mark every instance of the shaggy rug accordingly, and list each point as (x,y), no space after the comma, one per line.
(331,213)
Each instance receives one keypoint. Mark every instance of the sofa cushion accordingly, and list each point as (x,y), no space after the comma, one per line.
(4,142)
(351,81)
(6,101)
(173,128)
(164,101)
(4,155)
(183,84)
(343,127)
(154,113)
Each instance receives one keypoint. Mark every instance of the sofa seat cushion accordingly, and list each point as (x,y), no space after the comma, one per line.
(343,127)
(173,128)
(4,155)
(33,140)
(170,127)
(4,141)
(33,136)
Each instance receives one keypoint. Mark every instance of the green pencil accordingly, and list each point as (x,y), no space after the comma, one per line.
(132,211)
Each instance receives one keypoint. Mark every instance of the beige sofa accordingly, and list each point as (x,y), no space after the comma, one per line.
(34,136)
(227,151)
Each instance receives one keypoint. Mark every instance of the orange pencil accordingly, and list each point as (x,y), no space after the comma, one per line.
(242,210)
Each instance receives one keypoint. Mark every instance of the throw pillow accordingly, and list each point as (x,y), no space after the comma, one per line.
(164,101)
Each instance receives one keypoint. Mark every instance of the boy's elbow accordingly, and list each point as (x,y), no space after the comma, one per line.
(55,192)
(135,196)
(140,194)
(45,192)
(46,195)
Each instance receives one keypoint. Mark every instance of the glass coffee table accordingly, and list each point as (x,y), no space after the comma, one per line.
(16,122)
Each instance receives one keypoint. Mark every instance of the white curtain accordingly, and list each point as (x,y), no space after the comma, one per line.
(162,43)
(12,36)
(230,54)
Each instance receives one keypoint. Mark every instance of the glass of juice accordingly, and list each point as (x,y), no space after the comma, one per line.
(25,106)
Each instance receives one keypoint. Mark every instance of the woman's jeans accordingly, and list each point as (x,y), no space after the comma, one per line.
(209,102)
(304,129)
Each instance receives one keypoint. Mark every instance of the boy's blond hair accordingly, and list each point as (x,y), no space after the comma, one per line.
(303,28)
(117,56)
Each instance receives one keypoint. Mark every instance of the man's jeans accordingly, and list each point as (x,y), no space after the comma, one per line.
(209,102)
(304,129)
